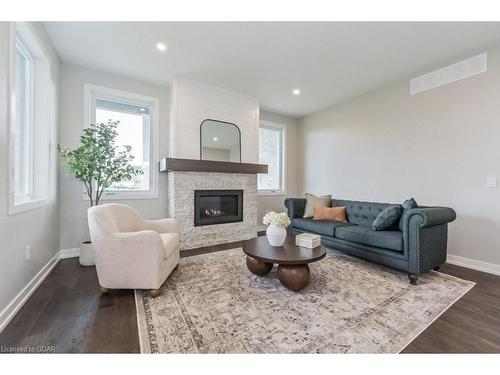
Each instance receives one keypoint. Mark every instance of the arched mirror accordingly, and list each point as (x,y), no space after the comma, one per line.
(220,141)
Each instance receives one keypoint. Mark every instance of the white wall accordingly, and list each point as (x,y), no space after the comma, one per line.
(39,227)
(74,228)
(195,101)
(292,166)
(438,146)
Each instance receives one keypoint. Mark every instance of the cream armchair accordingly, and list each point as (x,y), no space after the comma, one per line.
(130,252)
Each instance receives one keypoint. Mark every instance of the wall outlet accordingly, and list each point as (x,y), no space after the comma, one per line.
(491,182)
(28,252)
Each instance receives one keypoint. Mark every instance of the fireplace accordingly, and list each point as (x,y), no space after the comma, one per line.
(217,207)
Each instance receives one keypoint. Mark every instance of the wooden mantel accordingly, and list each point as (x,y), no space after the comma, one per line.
(191,165)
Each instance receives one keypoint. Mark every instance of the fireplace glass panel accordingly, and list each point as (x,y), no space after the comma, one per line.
(218,206)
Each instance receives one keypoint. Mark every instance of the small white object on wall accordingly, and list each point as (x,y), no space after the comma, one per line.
(491,182)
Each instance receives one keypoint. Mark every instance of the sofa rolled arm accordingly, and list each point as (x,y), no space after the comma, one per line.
(295,207)
(430,216)
(425,237)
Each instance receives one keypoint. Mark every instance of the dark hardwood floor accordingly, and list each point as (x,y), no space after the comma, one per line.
(68,313)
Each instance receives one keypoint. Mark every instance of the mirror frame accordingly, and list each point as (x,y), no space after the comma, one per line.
(224,122)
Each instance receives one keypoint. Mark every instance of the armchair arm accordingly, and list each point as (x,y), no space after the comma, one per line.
(129,259)
(162,226)
(295,207)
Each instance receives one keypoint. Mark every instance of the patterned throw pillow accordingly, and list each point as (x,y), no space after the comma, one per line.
(314,201)
(407,205)
(387,218)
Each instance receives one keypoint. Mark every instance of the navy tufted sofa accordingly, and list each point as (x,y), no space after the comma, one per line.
(418,248)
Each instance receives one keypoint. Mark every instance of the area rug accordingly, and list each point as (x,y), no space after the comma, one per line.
(213,304)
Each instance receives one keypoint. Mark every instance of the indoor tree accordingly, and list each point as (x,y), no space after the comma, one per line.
(98,162)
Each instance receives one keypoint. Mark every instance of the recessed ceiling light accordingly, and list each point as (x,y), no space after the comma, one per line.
(161,46)
(215,139)
(296,92)
(142,109)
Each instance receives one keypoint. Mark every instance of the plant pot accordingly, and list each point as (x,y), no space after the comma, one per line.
(276,235)
(87,257)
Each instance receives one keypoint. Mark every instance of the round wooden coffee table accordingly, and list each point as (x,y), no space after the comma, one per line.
(292,260)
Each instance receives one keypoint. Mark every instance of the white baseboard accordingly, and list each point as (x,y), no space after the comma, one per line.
(474,264)
(69,253)
(15,305)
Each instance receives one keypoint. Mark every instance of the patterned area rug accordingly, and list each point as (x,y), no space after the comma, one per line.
(213,304)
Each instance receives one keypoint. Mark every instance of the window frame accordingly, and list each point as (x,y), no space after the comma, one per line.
(93,92)
(23,33)
(282,128)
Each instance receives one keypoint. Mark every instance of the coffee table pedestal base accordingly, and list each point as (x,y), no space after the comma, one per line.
(294,277)
(257,267)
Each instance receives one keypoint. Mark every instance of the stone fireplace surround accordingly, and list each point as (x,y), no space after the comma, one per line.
(181,187)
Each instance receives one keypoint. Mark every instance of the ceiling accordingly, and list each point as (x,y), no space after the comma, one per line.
(328,62)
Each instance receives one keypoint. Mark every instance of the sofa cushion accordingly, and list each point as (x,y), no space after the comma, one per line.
(407,205)
(388,219)
(361,234)
(170,243)
(325,228)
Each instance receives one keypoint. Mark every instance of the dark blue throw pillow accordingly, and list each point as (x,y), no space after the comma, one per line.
(387,218)
(407,205)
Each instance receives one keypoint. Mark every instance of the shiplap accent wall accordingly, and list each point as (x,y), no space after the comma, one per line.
(193,102)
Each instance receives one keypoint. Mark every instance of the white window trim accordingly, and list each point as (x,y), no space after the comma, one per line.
(40,122)
(282,191)
(89,89)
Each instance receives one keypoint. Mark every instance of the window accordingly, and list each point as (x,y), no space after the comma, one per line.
(138,121)
(271,152)
(30,121)
(22,118)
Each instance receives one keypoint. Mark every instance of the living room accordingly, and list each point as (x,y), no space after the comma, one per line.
(249,187)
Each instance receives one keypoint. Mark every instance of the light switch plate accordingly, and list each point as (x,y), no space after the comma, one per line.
(491,182)
(28,252)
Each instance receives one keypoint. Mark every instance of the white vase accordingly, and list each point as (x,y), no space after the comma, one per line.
(275,235)
(87,257)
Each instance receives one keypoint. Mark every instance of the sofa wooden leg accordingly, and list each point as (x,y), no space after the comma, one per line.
(103,290)
(413,278)
(153,293)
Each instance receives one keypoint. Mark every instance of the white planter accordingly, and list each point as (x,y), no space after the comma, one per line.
(87,254)
(275,235)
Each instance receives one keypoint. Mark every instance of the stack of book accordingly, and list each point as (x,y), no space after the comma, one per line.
(308,240)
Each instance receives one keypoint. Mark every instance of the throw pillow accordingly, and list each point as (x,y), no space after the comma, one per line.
(314,201)
(407,205)
(387,218)
(330,213)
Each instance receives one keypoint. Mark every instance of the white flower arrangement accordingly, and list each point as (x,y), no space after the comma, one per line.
(279,219)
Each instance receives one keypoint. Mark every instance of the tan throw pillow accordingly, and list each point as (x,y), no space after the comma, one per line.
(313,201)
(330,213)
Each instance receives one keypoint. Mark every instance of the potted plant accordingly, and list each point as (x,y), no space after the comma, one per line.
(98,163)
(276,232)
